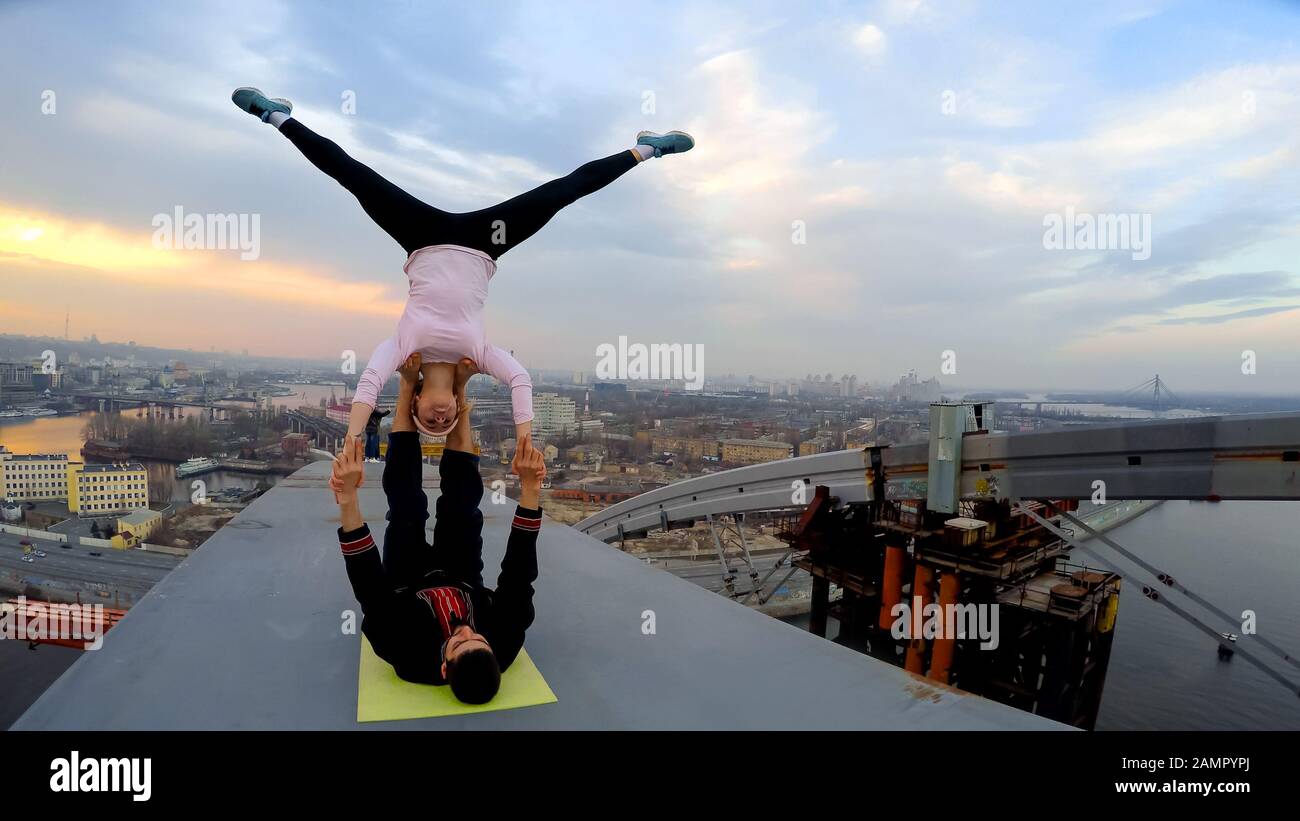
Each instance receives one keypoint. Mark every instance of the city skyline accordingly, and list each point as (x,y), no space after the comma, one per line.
(248,361)
(922,147)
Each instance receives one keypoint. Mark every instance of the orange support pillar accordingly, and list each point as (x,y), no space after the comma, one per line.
(922,591)
(891,592)
(945,647)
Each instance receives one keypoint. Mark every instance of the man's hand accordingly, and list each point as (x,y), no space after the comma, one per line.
(409,371)
(464,370)
(530,466)
(349,471)
(357,441)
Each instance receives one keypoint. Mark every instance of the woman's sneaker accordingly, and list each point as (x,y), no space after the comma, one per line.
(258,104)
(674,142)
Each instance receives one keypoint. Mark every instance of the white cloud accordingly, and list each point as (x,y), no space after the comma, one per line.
(1007,190)
(871,41)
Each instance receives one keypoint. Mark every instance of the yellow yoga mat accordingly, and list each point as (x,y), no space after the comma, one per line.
(382,696)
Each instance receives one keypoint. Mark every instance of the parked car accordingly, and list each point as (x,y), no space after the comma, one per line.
(95,553)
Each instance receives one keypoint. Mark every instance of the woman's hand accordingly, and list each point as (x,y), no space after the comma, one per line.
(349,472)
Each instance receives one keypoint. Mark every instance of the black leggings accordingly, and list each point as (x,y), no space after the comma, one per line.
(415,224)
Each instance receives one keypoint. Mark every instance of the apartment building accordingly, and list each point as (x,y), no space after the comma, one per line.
(691,447)
(101,490)
(554,414)
(90,490)
(754,451)
(37,477)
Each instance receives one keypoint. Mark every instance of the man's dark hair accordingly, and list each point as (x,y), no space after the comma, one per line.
(474,676)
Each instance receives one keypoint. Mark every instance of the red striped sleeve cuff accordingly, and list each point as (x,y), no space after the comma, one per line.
(356,541)
(528,519)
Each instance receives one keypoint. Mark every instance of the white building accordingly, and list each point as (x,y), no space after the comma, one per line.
(40,477)
(554,414)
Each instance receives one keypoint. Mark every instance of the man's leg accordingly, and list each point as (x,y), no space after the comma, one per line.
(406,554)
(412,223)
(497,229)
(458,531)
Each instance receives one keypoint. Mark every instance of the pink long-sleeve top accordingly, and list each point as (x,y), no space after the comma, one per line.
(443,321)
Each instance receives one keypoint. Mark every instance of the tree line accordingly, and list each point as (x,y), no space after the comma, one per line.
(191,435)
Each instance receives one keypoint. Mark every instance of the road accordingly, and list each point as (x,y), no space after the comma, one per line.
(73,567)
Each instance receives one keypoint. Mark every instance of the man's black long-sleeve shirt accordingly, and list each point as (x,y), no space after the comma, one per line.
(404,628)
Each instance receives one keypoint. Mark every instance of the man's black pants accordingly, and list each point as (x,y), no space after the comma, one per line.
(457,550)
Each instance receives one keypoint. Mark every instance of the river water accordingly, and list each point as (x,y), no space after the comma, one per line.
(1099,409)
(62,434)
(1164,673)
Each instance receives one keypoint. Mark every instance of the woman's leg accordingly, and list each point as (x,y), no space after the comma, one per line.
(497,229)
(411,222)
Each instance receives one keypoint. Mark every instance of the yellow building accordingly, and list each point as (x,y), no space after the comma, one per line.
(90,490)
(38,477)
(101,490)
(754,451)
(821,443)
(688,446)
(137,526)
(427,449)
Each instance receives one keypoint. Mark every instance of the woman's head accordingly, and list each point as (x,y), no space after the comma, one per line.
(434,410)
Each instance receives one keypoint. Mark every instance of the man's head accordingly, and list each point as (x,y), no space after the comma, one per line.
(470,667)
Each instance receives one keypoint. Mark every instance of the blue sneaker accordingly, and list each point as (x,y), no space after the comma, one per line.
(258,104)
(674,142)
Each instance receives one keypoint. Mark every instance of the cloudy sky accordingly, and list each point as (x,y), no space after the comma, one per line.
(916,146)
